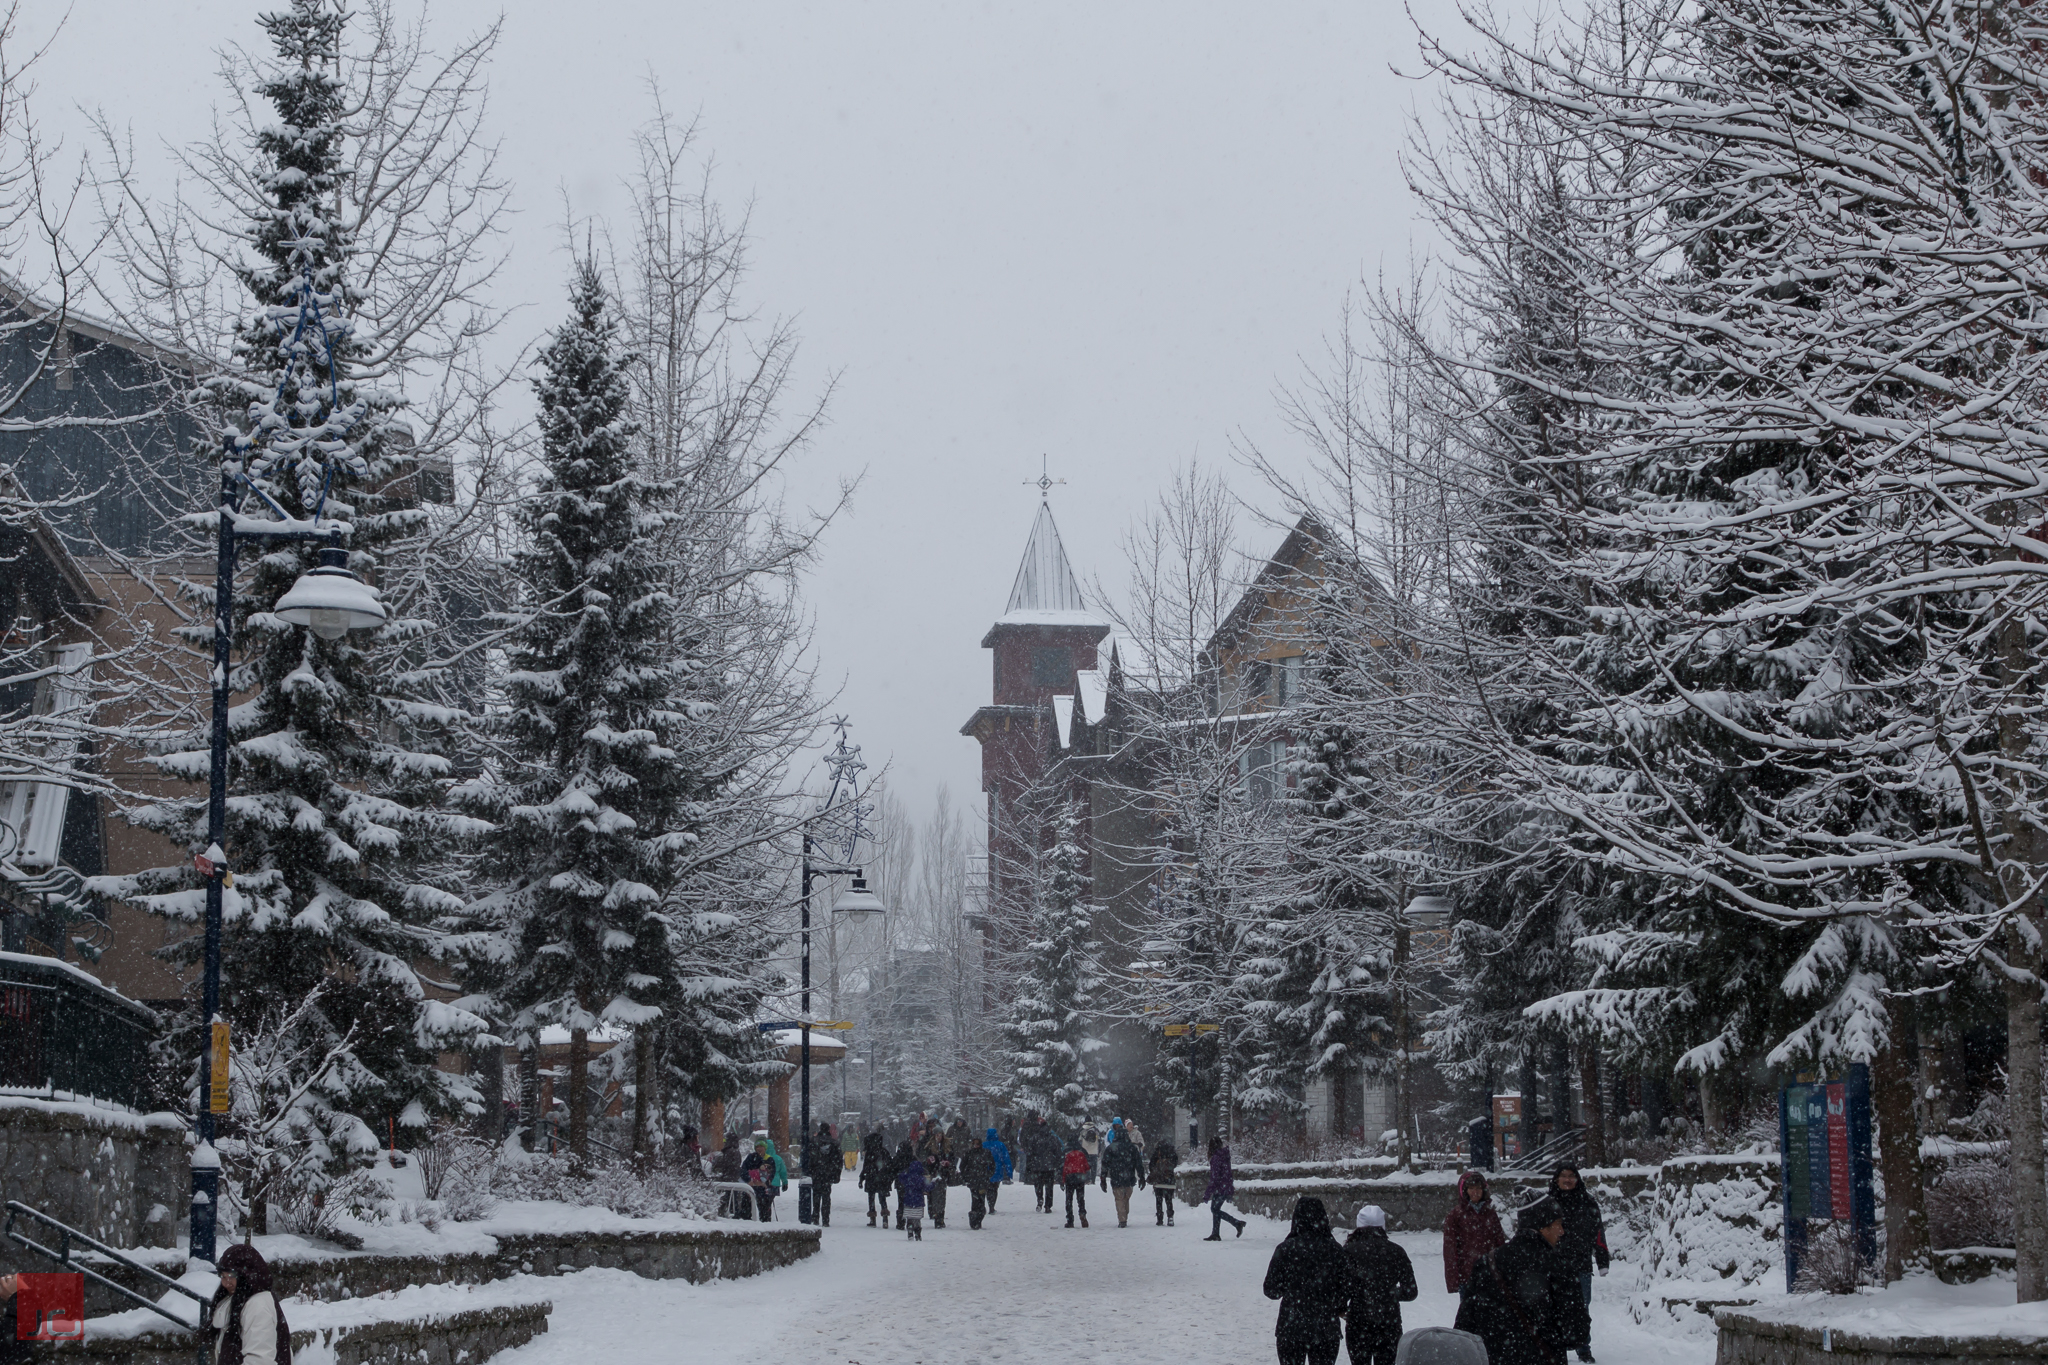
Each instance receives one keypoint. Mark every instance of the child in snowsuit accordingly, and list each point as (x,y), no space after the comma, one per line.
(1074,1174)
(910,1187)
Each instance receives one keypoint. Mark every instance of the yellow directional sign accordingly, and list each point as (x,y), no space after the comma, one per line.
(1176,1030)
(836,1024)
(217,1097)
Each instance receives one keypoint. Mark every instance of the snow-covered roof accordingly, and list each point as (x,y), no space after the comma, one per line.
(1051,618)
(1091,689)
(1063,712)
(1045,580)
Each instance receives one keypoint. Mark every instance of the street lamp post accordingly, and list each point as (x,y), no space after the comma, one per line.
(330,601)
(846,767)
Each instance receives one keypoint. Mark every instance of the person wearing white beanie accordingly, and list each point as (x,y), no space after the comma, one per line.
(1384,1280)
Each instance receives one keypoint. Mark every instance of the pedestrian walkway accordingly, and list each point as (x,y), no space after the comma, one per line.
(1023,1289)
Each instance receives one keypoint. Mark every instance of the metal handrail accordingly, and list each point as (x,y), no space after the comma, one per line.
(1566,1143)
(62,1256)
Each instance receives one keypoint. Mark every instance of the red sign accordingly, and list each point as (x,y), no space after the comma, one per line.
(49,1307)
(1838,1151)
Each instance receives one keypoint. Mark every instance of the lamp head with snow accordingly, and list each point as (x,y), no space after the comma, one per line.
(330,601)
(858,900)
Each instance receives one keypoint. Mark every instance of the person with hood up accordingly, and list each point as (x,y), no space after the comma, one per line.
(977,1169)
(1219,1190)
(1585,1235)
(766,1173)
(1522,1300)
(1313,1281)
(1162,1175)
(1074,1174)
(938,1171)
(1386,1280)
(1043,1152)
(999,1153)
(1123,1167)
(849,1145)
(248,1325)
(910,1186)
(821,1164)
(876,1174)
(1091,1143)
(1470,1231)
(726,1166)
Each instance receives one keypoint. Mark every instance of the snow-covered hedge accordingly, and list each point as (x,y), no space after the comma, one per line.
(1710,1230)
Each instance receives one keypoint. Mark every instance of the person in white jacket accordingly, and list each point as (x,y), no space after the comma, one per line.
(248,1325)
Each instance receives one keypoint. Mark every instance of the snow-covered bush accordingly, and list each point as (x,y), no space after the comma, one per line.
(1830,1263)
(521,1175)
(1969,1203)
(357,1200)
(1711,1228)
(456,1171)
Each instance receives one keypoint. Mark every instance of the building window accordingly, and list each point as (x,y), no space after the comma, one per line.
(1051,668)
(1287,681)
(1258,681)
(1262,771)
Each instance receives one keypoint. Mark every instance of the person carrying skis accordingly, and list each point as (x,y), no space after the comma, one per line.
(1219,1190)
(877,1175)
(977,1166)
(910,1187)
(1122,1169)
(1313,1281)
(1522,1300)
(1385,1281)
(1074,1174)
(1162,1175)
(1585,1236)
(999,1153)
(1471,1230)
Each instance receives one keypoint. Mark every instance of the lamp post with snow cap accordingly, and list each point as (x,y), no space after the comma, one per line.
(845,765)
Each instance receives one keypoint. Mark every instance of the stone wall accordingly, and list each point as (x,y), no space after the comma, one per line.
(124,1178)
(692,1256)
(1418,1203)
(1744,1340)
(440,1339)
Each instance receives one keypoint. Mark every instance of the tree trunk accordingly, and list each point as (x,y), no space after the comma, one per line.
(579,1093)
(2023,1106)
(1711,1117)
(643,1092)
(529,1094)
(1589,1087)
(1898,1156)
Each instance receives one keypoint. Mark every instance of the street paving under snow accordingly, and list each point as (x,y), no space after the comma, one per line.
(1022,1289)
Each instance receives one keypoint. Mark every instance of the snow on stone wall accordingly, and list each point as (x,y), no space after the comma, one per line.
(1708,1232)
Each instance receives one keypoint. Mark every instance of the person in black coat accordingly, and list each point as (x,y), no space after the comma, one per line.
(1585,1237)
(1314,1283)
(877,1173)
(1386,1280)
(1523,1299)
(822,1165)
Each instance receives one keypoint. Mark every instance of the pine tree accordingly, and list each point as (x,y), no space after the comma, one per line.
(597,802)
(1049,1028)
(335,772)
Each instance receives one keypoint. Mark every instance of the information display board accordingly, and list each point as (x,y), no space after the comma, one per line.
(1824,1144)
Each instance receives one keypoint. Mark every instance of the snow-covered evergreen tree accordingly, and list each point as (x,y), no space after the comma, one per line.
(1050,1028)
(334,777)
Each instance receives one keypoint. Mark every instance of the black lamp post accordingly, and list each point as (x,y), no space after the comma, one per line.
(330,601)
(846,768)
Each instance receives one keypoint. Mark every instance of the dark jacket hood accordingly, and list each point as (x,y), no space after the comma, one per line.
(1311,1219)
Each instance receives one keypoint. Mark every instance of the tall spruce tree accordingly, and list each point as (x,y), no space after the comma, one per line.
(1050,1029)
(595,802)
(334,778)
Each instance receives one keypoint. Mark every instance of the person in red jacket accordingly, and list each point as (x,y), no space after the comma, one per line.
(1471,1230)
(1074,1168)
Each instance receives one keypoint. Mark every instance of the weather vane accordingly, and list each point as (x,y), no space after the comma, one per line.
(1044,483)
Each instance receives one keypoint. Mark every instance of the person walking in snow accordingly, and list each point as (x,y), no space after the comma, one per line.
(999,1153)
(1219,1189)
(248,1326)
(1585,1236)
(1075,1173)
(977,1166)
(1091,1143)
(876,1175)
(910,1187)
(1471,1230)
(849,1145)
(1045,1151)
(1122,1169)
(727,1167)
(1313,1281)
(1162,1175)
(1522,1300)
(938,1172)
(1385,1281)
(765,1171)
(1137,1135)
(821,1164)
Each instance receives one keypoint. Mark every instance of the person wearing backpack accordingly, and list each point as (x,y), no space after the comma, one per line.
(877,1173)
(1162,1175)
(910,1185)
(977,1165)
(1386,1280)
(1523,1299)
(1075,1171)
(1043,1152)
(247,1323)
(1122,1169)
(821,1164)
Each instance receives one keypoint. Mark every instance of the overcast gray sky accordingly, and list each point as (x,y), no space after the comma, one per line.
(1104,233)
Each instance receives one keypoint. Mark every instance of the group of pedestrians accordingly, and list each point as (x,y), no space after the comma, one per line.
(1527,1297)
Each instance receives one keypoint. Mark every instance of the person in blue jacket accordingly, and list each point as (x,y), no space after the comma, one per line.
(999,1154)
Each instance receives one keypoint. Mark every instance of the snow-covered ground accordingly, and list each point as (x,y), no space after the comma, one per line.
(1024,1288)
